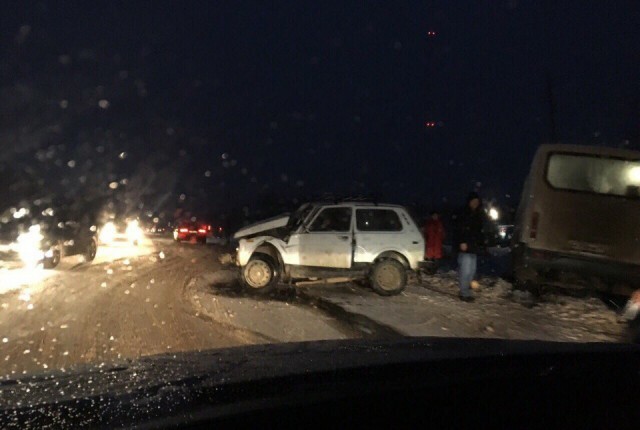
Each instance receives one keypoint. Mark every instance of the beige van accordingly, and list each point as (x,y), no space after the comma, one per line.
(578,223)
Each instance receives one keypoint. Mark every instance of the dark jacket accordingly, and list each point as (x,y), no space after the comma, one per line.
(470,230)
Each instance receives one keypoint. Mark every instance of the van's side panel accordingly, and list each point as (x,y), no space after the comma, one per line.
(590,227)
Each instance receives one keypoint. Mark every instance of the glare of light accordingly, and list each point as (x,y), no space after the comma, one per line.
(104,104)
(494,214)
(108,233)
(29,246)
(633,174)
(20,213)
(113,185)
(133,232)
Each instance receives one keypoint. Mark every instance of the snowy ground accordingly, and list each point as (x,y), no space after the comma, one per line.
(165,296)
(427,308)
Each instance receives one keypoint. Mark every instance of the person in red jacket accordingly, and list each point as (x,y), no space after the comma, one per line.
(434,235)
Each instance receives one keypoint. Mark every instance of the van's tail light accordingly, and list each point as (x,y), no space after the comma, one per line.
(183,230)
(533,228)
(202,230)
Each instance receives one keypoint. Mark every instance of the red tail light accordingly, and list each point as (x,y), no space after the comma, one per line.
(202,230)
(219,228)
(209,227)
(183,230)
(533,228)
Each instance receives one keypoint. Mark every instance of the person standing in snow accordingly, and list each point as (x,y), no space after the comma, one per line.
(469,242)
(434,235)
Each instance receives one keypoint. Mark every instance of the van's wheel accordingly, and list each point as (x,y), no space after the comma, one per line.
(388,277)
(533,292)
(261,274)
(53,261)
(91,251)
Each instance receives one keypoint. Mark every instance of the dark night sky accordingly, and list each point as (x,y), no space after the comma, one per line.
(311,97)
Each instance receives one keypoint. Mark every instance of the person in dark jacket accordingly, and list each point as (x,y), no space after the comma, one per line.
(469,242)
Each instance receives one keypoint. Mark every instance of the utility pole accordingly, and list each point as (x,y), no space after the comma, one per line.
(550,95)
(551,101)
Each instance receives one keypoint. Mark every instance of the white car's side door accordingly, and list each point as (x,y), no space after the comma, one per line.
(326,242)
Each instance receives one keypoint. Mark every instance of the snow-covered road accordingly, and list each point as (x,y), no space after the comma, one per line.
(164,296)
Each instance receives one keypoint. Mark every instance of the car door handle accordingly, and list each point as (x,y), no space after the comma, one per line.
(344,237)
(415,242)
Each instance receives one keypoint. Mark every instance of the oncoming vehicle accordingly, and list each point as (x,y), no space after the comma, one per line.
(46,243)
(128,231)
(504,235)
(577,223)
(323,240)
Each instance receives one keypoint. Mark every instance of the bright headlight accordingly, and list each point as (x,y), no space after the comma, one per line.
(108,233)
(29,246)
(134,232)
(494,214)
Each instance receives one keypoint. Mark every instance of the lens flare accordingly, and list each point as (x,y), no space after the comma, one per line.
(108,233)
(134,232)
(29,246)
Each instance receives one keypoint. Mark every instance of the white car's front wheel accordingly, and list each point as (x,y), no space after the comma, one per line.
(260,274)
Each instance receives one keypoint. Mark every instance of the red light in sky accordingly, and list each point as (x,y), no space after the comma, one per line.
(430,124)
(431,33)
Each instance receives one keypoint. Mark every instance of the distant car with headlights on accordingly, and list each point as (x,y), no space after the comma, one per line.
(128,231)
(504,235)
(29,243)
(157,229)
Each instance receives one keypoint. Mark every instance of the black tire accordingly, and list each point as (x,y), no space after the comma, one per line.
(388,277)
(261,274)
(53,261)
(91,251)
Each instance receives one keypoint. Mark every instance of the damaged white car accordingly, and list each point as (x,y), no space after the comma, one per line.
(376,242)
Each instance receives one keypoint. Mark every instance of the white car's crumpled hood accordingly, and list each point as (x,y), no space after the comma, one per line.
(268,224)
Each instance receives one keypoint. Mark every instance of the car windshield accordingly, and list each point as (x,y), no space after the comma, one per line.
(372,157)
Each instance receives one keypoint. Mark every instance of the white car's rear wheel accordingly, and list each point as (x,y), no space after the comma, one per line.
(260,274)
(389,277)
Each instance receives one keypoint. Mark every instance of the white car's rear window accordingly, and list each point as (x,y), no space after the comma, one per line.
(377,220)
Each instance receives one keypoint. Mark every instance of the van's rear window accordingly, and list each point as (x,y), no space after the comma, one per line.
(594,174)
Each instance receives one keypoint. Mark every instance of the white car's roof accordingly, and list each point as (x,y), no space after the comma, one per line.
(358,204)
